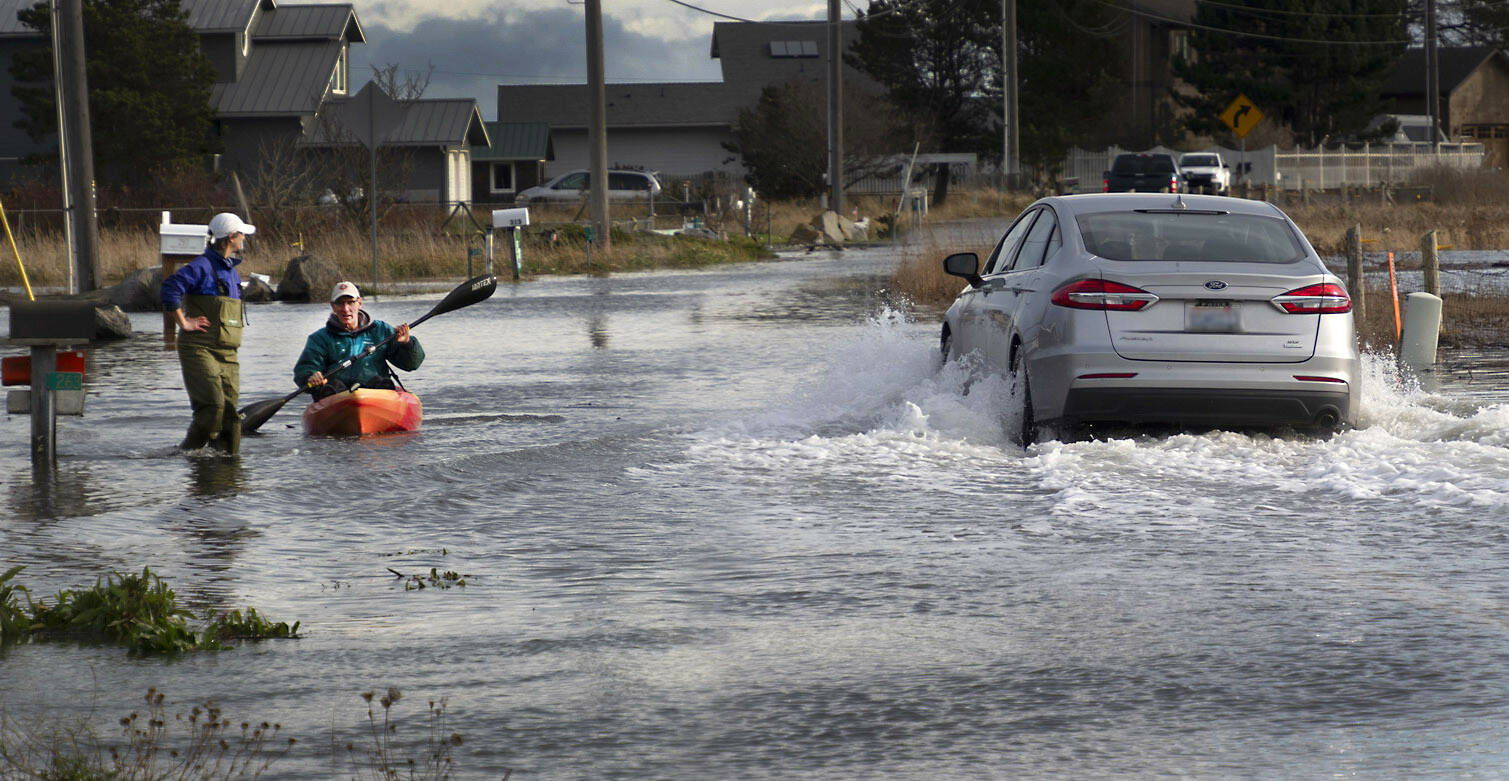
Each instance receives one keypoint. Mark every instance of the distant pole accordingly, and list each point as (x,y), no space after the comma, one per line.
(1012,159)
(59,98)
(597,131)
(1355,279)
(80,148)
(372,194)
(1432,76)
(1430,263)
(835,108)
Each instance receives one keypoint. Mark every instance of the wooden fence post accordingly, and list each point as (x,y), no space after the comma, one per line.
(1430,264)
(1355,282)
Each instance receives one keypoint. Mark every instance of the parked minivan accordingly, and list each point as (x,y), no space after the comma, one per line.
(573,186)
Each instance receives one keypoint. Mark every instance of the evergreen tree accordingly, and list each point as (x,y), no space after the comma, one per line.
(1313,66)
(149,88)
(940,61)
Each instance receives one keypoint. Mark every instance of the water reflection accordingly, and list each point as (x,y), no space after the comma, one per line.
(216,476)
(44,492)
(597,330)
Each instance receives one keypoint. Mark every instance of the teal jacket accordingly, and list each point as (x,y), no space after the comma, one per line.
(333,343)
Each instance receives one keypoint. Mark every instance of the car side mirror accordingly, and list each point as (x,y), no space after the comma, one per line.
(966,265)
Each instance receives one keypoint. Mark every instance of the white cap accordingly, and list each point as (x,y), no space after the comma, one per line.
(225,223)
(343,289)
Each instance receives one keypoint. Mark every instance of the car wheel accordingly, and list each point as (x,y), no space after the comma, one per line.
(1026,433)
(944,344)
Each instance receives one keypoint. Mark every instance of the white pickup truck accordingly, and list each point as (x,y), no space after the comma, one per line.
(1206,172)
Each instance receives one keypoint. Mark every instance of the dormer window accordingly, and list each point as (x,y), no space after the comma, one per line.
(793,48)
(338,78)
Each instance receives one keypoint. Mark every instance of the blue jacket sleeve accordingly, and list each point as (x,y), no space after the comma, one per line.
(179,284)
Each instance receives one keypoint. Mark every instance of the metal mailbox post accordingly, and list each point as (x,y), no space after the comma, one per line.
(513,221)
(46,327)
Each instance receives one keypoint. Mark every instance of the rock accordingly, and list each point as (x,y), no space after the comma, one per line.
(111,323)
(804,234)
(828,225)
(307,278)
(141,291)
(256,290)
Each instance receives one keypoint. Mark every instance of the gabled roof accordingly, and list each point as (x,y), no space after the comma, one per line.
(1456,64)
(517,141)
(756,55)
(426,122)
(686,104)
(222,16)
(309,22)
(281,78)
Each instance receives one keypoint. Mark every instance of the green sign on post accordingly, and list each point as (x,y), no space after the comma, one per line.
(57,381)
(591,233)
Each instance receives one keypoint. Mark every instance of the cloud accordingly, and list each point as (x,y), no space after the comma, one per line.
(471,55)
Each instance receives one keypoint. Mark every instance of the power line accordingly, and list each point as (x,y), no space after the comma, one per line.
(1252,10)
(1240,33)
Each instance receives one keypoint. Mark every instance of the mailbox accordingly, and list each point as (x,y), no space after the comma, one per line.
(510,218)
(181,239)
(54,320)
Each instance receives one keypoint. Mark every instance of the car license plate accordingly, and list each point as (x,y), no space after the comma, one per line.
(1213,317)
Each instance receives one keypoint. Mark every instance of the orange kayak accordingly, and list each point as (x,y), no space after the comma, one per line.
(363,411)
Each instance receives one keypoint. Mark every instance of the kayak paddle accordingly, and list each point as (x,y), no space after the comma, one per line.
(467,293)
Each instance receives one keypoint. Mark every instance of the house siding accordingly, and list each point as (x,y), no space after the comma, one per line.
(1482,102)
(14,140)
(672,152)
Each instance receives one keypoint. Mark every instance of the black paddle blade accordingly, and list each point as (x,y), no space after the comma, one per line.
(467,293)
(255,414)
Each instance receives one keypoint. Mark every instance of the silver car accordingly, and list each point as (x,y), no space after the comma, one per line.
(1198,311)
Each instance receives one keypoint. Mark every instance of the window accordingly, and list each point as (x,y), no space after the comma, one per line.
(793,48)
(500,178)
(1178,46)
(1035,246)
(618,181)
(576,181)
(338,78)
(1007,247)
(1189,235)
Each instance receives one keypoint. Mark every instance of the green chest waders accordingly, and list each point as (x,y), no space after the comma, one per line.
(212,372)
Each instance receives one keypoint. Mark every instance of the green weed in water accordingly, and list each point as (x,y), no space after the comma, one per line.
(435,579)
(15,620)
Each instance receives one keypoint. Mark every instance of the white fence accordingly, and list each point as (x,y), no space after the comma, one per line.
(1363,165)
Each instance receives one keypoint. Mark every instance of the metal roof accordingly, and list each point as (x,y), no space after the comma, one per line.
(426,122)
(207,16)
(641,105)
(303,22)
(280,78)
(517,141)
(1456,64)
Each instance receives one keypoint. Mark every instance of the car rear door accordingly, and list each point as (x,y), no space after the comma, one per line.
(974,318)
(1213,314)
(1017,283)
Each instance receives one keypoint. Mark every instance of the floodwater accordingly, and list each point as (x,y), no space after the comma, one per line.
(737,523)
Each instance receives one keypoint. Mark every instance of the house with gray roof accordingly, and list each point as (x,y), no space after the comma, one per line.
(436,134)
(678,128)
(276,67)
(514,160)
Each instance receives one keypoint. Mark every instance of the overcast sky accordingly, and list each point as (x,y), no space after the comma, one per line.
(477,44)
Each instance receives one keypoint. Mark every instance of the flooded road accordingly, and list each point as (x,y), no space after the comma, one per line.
(737,523)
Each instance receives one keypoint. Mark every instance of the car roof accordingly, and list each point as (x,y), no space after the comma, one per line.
(1070,205)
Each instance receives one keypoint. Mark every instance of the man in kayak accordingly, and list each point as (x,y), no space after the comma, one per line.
(346,334)
(204,297)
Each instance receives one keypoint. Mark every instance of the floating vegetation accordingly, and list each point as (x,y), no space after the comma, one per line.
(211,746)
(137,611)
(418,552)
(435,579)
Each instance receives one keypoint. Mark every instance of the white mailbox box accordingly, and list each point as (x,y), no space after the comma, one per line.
(180,239)
(510,218)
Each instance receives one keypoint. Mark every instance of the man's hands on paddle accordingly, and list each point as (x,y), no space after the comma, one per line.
(402,334)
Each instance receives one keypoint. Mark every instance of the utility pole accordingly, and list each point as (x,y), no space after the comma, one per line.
(597,131)
(1011,159)
(835,108)
(1432,76)
(79,177)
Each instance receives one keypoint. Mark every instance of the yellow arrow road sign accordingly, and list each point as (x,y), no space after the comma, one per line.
(1242,116)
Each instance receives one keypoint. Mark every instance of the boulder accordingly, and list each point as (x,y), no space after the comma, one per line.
(111,323)
(141,291)
(804,234)
(257,290)
(829,226)
(307,278)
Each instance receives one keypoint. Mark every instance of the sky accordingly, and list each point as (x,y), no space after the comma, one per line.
(474,45)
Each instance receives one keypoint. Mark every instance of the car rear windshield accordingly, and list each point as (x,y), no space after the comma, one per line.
(1198,160)
(1189,235)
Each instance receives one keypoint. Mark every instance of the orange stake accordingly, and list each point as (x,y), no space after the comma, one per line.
(1393,293)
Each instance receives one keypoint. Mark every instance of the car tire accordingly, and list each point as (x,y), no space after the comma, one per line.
(945,343)
(1027,430)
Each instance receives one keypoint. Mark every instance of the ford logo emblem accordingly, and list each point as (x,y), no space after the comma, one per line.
(1216,284)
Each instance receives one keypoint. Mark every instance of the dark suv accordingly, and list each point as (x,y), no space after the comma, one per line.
(1144,173)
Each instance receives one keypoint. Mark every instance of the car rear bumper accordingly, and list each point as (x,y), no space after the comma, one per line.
(1208,407)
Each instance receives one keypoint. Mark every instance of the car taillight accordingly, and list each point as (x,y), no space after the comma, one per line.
(1173,184)
(1105,185)
(1100,294)
(1327,298)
